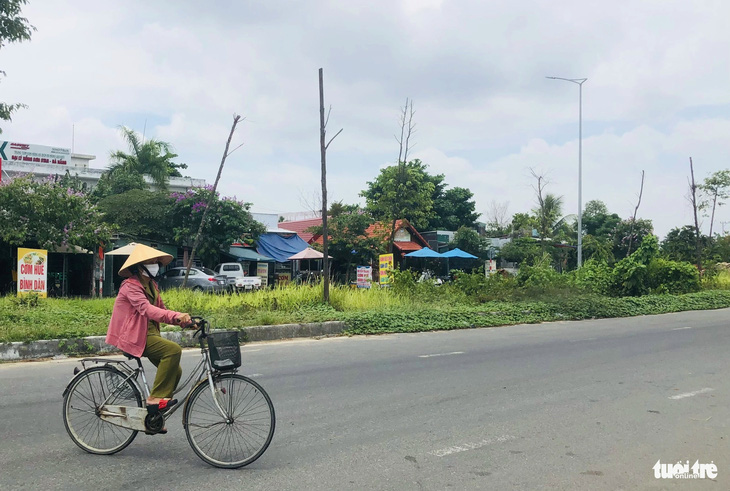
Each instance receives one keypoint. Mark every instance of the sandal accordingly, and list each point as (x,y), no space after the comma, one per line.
(163,405)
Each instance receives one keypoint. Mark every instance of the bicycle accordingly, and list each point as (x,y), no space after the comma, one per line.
(229,419)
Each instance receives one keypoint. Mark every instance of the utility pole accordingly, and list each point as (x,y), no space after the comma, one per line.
(579,82)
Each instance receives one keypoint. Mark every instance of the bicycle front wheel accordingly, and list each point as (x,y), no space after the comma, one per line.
(240,436)
(84,398)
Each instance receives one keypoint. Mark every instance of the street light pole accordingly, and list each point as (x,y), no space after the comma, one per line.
(579,82)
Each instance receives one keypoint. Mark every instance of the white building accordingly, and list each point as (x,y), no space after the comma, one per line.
(42,161)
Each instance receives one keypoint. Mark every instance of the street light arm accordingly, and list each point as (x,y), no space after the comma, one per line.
(578,81)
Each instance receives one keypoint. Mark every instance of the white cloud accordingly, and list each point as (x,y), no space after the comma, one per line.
(656,94)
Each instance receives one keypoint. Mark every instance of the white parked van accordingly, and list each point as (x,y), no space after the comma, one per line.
(236,277)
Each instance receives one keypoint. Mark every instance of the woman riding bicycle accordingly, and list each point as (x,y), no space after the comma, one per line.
(135,323)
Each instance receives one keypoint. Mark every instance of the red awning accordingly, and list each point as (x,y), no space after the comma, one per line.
(407,246)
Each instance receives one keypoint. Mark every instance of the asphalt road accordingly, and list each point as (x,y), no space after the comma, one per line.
(574,405)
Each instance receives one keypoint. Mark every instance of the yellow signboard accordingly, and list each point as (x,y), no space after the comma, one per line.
(32,271)
(262,270)
(284,279)
(386,266)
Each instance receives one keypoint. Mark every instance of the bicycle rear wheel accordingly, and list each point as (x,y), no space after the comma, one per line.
(240,437)
(81,405)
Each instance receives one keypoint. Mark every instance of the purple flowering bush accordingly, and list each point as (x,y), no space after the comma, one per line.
(228,221)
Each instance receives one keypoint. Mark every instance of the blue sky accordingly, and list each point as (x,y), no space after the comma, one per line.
(657,93)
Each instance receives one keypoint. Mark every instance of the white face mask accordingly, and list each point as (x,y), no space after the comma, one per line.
(152,268)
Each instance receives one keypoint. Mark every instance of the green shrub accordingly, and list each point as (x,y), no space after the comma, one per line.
(594,277)
(630,276)
(673,276)
(471,284)
(540,274)
(404,281)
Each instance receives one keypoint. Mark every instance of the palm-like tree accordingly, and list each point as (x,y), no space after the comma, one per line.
(147,157)
(549,215)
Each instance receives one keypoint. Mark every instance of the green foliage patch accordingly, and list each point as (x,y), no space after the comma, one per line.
(364,311)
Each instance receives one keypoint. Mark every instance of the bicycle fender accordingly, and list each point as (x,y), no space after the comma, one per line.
(70,382)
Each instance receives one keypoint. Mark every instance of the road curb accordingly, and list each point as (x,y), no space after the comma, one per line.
(91,345)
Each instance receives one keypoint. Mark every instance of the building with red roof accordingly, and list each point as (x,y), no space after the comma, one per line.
(407,239)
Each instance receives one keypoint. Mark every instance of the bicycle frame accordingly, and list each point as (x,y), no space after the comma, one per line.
(120,415)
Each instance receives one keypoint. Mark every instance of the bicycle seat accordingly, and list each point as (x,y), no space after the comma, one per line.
(130,357)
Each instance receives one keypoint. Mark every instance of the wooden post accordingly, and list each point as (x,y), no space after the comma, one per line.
(323,153)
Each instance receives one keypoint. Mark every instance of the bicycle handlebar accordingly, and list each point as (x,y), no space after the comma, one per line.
(200,325)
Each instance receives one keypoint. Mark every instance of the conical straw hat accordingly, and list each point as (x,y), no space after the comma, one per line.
(140,254)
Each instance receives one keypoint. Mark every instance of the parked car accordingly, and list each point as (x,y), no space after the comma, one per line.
(236,278)
(200,279)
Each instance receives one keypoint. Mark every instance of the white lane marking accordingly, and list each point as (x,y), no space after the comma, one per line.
(681,328)
(470,446)
(692,394)
(441,354)
(250,350)
(579,340)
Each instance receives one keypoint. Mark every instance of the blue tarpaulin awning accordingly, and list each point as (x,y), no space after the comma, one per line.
(280,247)
(425,252)
(459,253)
(245,254)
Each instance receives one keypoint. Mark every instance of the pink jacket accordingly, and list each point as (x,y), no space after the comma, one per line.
(132,312)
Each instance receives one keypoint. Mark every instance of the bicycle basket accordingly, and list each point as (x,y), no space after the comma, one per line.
(225,350)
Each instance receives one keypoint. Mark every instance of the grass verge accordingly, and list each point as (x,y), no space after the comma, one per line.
(365,312)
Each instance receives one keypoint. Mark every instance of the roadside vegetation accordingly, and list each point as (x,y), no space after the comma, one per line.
(537,294)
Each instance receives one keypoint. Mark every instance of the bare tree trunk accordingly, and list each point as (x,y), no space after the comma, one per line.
(693,200)
(633,218)
(497,215)
(712,218)
(407,128)
(323,152)
(542,219)
(236,120)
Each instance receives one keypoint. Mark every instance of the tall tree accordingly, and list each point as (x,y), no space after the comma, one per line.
(140,213)
(680,244)
(13,29)
(522,225)
(549,211)
(629,231)
(401,191)
(407,128)
(597,221)
(453,208)
(118,181)
(716,188)
(349,244)
(146,157)
(470,241)
(520,249)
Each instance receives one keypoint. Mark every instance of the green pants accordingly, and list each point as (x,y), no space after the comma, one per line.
(165,355)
